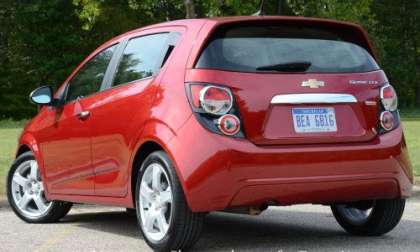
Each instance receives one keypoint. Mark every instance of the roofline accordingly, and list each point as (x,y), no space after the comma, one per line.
(235,19)
(231,19)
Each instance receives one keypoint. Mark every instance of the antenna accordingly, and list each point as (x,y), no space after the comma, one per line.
(261,11)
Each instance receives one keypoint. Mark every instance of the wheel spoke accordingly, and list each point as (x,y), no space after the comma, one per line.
(24,201)
(20,180)
(40,203)
(146,192)
(166,197)
(34,170)
(41,186)
(28,190)
(155,202)
(161,222)
(354,214)
(156,178)
(149,221)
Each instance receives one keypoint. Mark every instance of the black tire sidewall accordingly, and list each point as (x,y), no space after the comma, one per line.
(385,215)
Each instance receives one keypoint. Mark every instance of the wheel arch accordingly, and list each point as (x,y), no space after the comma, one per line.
(27,142)
(154,137)
(141,154)
(22,149)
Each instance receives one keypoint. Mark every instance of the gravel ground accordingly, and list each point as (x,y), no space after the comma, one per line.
(295,228)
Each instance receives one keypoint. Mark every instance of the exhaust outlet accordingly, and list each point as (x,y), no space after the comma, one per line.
(249,210)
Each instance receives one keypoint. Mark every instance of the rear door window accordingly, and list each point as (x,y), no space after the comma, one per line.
(261,48)
(141,58)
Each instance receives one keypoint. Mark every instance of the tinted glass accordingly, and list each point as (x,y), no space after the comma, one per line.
(141,58)
(89,79)
(248,48)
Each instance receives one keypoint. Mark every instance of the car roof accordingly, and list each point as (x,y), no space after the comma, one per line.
(214,22)
(217,21)
(233,19)
(236,19)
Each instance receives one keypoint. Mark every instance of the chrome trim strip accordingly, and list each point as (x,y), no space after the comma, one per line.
(319,98)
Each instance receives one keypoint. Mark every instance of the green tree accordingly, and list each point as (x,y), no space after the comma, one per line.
(41,41)
(6,29)
(41,48)
(399,38)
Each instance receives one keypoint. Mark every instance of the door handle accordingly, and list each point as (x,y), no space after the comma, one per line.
(83,115)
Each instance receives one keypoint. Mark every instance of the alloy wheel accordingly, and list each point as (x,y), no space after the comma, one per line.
(355,215)
(156,202)
(28,190)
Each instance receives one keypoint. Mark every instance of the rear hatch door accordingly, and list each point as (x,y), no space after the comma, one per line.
(295,83)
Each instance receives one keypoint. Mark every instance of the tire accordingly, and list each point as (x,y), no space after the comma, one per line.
(383,217)
(183,227)
(36,209)
(131,212)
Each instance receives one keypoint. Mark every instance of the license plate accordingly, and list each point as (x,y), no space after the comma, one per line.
(313,120)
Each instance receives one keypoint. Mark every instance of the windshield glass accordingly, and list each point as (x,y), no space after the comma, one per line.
(258,48)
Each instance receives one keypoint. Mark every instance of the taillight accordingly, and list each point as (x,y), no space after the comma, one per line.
(216,100)
(389,98)
(215,108)
(389,117)
(229,124)
(387,120)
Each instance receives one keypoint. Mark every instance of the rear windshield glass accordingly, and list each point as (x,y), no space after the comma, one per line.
(262,48)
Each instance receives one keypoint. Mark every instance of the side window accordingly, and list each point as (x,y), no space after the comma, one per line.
(89,79)
(141,58)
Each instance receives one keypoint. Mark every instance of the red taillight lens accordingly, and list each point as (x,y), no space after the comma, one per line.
(216,100)
(387,120)
(215,108)
(195,95)
(389,98)
(389,117)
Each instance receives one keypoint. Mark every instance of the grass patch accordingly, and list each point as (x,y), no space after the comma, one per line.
(8,143)
(9,131)
(411,131)
(11,124)
(411,124)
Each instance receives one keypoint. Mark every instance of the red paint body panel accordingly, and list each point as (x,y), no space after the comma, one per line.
(66,154)
(92,161)
(112,132)
(234,164)
(272,124)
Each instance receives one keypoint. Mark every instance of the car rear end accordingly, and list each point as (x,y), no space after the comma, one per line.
(289,111)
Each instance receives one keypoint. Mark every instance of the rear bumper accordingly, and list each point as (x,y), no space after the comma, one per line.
(219,172)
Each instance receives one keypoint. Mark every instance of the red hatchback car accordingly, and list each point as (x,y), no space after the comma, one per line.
(232,114)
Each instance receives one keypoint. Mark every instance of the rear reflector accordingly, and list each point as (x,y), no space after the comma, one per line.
(387,120)
(229,124)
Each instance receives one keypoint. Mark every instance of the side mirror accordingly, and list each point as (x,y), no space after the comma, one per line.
(42,96)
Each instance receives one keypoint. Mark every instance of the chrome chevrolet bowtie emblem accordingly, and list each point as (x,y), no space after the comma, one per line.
(313,83)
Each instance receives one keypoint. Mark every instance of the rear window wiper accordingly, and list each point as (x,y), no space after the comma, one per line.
(299,66)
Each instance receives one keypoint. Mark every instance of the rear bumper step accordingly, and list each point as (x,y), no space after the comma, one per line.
(318,193)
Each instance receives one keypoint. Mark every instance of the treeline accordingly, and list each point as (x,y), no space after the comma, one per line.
(42,41)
